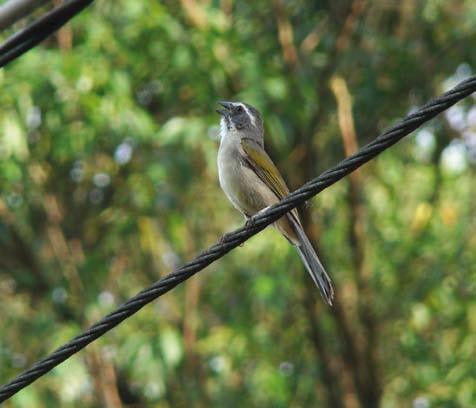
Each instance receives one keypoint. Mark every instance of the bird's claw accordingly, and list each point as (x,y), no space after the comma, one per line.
(249,222)
(222,239)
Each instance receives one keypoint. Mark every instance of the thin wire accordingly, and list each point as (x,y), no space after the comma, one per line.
(237,237)
(25,39)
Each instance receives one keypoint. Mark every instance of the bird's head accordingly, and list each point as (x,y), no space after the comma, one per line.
(240,120)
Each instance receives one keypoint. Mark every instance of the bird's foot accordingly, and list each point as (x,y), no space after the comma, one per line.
(251,220)
(223,238)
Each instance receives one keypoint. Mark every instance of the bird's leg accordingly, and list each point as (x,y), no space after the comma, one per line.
(248,223)
(250,220)
(222,238)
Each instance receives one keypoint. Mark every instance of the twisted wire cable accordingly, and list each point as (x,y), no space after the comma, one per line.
(237,237)
(25,39)
(12,11)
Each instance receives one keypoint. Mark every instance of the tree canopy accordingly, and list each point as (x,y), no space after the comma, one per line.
(108,181)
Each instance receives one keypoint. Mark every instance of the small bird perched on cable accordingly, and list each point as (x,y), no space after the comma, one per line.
(252,182)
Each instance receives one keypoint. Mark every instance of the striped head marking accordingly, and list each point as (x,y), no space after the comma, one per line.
(239,116)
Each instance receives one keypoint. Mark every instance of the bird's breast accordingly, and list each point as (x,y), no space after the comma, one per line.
(240,183)
(230,173)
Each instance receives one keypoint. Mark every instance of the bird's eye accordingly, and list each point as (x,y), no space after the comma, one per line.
(239,108)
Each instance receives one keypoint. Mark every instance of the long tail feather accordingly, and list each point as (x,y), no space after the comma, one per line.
(313,264)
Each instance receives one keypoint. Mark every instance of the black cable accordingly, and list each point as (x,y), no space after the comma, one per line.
(24,40)
(237,237)
(13,10)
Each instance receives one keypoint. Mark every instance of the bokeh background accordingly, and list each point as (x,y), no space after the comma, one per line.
(108,143)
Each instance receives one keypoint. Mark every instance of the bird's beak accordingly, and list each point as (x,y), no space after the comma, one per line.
(227,106)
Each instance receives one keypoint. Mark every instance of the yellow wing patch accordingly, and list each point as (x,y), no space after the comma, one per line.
(262,165)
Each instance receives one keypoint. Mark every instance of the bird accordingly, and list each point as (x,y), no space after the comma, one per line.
(252,182)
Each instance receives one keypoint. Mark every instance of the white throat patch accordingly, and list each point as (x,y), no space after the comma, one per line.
(223,128)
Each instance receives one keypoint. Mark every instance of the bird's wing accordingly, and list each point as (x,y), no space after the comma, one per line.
(259,161)
(256,158)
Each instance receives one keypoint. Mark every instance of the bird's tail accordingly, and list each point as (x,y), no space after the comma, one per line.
(313,264)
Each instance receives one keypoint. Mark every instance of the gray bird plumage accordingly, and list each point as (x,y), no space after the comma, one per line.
(252,182)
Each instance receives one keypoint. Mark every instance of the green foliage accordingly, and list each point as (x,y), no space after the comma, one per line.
(108,141)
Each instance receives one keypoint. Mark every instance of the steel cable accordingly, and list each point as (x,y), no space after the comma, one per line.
(25,39)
